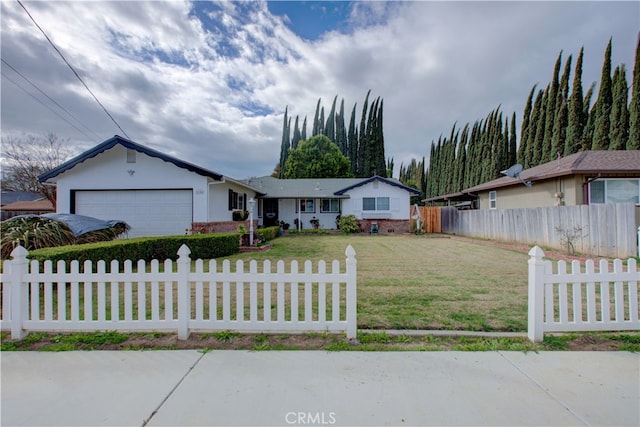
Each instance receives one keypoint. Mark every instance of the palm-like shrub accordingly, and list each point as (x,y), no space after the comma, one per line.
(33,232)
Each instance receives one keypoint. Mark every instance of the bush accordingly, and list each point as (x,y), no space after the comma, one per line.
(348,224)
(268,233)
(204,246)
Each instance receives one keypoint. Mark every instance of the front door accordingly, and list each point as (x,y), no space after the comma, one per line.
(270,208)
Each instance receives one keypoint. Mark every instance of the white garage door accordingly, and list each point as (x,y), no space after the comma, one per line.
(148,212)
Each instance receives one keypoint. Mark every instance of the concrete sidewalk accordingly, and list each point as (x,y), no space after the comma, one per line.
(188,388)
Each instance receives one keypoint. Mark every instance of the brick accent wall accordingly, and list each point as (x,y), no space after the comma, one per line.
(221,226)
(386,226)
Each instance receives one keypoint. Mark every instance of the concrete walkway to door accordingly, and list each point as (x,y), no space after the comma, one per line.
(282,388)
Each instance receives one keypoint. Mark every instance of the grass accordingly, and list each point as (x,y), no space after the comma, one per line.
(422,282)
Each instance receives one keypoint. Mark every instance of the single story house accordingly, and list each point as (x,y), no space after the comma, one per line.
(582,178)
(157,194)
(313,202)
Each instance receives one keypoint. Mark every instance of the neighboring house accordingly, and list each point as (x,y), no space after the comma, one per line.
(298,202)
(157,194)
(582,178)
(154,193)
(14,203)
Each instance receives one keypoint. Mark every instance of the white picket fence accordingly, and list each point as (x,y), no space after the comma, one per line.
(583,299)
(175,298)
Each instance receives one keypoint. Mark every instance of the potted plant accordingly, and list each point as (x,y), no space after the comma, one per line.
(240,215)
(315,222)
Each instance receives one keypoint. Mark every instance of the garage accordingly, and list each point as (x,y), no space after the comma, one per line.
(148,212)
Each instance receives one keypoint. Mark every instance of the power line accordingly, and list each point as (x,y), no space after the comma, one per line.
(72,69)
(45,105)
(51,99)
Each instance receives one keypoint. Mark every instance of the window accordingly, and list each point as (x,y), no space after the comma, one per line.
(330,205)
(493,196)
(375,204)
(615,191)
(306,205)
(237,201)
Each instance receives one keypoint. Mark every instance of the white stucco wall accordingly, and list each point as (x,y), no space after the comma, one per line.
(398,201)
(110,171)
(219,200)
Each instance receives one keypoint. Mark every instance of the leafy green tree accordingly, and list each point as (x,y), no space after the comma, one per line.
(285,143)
(561,114)
(634,107)
(341,132)
(601,121)
(353,142)
(513,142)
(317,157)
(590,115)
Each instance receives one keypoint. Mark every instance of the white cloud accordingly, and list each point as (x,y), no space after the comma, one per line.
(209,82)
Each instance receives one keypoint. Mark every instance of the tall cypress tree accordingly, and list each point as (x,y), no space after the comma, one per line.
(562,112)
(303,136)
(619,130)
(297,137)
(513,142)
(576,118)
(538,139)
(330,125)
(550,113)
(316,130)
(380,163)
(589,114)
(525,131)
(362,138)
(633,143)
(601,121)
(285,144)
(353,142)
(341,132)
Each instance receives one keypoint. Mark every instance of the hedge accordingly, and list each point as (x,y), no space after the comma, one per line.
(204,246)
(268,233)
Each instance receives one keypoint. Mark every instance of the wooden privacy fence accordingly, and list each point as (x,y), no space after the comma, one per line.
(176,297)
(431,219)
(607,230)
(582,299)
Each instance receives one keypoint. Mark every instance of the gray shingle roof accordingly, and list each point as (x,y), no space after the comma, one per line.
(313,187)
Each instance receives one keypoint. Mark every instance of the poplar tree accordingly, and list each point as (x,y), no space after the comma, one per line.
(316,120)
(538,138)
(633,142)
(285,144)
(601,121)
(330,125)
(589,114)
(341,132)
(353,142)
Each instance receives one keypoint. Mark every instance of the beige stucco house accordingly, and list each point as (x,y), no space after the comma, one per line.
(586,177)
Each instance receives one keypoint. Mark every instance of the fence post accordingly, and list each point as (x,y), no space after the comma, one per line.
(19,295)
(351,304)
(536,295)
(184,292)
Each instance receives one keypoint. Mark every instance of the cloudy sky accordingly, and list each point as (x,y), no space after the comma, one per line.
(208,82)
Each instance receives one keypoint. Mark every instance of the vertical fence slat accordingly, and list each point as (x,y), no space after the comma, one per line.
(618,293)
(142,291)
(199,292)
(155,292)
(294,293)
(577,293)
(633,291)
(335,293)
(239,292)
(562,295)
(322,293)
(168,292)
(226,292)
(62,294)
(253,292)
(605,300)
(128,291)
(102,292)
(213,291)
(591,293)
(308,289)
(115,298)
(280,293)
(88,291)
(266,295)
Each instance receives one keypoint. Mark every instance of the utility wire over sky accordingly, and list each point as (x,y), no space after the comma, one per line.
(72,69)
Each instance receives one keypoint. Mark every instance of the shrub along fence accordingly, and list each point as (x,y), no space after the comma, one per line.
(607,230)
(173,296)
(583,299)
